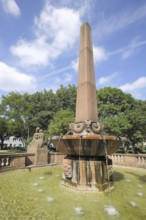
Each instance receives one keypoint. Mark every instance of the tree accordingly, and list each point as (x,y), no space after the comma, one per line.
(13,113)
(66,98)
(6,130)
(60,123)
(121,114)
(41,107)
(29,111)
(137,120)
(112,101)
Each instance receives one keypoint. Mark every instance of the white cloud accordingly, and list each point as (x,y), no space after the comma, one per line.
(99,54)
(138,84)
(74,64)
(55,72)
(137,88)
(132,48)
(106,80)
(111,24)
(129,50)
(68,77)
(11,79)
(32,53)
(56,30)
(11,7)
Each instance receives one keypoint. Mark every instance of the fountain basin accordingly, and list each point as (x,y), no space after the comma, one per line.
(87,145)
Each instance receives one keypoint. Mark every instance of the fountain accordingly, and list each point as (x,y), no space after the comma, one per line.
(86,166)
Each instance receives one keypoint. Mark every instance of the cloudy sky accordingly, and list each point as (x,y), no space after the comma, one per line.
(39,43)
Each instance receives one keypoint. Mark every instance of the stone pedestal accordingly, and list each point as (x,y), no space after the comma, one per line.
(41,155)
(39,148)
(87,173)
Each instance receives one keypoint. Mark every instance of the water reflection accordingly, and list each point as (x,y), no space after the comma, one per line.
(50,199)
(140,186)
(111,210)
(128,180)
(133,204)
(78,211)
(40,190)
(140,194)
(35,184)
(41,177)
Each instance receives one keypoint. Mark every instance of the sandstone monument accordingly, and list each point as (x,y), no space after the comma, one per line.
(86,166)
(38,146)
(86,105)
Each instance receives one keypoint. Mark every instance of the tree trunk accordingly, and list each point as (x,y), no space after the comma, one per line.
(2,144)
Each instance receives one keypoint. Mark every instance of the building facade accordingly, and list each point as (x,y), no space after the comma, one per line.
(13,142)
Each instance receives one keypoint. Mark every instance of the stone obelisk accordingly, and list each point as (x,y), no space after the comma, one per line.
(86,105)
(86,165)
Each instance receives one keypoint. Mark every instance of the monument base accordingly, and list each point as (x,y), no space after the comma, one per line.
(39,148)
(41,155)
(87,173)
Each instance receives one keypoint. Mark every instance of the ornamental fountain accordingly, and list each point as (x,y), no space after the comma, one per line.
(86,166)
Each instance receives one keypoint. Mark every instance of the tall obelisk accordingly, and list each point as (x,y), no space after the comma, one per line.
(86,105)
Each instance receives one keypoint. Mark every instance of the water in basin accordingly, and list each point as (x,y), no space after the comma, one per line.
(38,194)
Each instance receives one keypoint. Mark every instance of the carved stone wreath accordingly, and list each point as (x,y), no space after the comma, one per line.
(86,127)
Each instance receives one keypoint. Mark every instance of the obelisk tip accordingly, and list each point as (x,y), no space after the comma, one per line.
(86,24)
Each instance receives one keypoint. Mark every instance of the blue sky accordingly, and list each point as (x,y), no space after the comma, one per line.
(39,44)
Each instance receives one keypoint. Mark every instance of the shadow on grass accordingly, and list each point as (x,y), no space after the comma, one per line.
(117,176)
(139,177)
(48,173)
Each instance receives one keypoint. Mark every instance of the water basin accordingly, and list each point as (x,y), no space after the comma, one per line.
(87,145)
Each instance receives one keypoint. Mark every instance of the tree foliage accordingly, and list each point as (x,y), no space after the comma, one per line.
(66,98)
(29,111)
(119,112)
(12,116)
(60,122)
(41,107)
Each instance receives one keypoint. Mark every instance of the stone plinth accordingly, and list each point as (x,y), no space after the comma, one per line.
(87,173)
(39,148)
(41,155)
(18,162)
